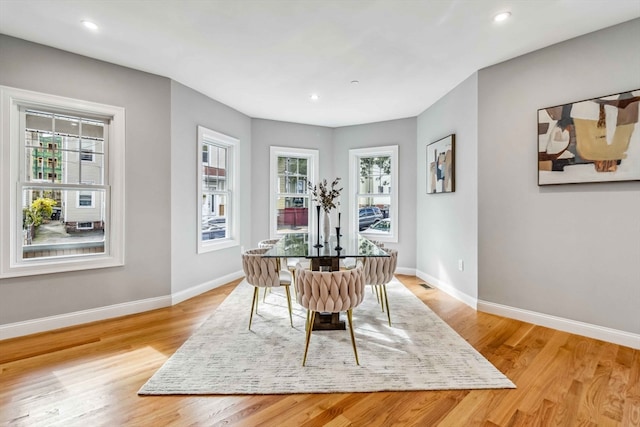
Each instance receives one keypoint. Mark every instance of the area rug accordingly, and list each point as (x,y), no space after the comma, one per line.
(418,352)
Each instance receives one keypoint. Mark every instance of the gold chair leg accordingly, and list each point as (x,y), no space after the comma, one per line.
(293,283)
(353,338)
(309,328)
(386,301)
(286,288)
(374,288)
(381,301)
(254,304)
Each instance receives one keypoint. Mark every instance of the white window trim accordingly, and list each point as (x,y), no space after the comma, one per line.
(88,152)
(233,186)
(11,263)
(313,161)
(354,177)
(91,206)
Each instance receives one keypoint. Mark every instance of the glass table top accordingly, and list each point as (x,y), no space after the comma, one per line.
(301,245)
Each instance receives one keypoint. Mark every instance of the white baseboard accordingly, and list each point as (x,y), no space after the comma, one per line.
(449,289)
(193,291)
(43,324)
(405,270)
(615,336)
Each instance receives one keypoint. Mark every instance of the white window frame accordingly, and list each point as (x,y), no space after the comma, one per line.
(11,145)
(354,178)
(80,227)
(313,161)
(84,193)
(88,152)
(232,210)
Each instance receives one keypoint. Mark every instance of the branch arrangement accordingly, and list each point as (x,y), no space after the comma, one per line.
(324,196)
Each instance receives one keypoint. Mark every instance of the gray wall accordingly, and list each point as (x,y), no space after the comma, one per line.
(394,132)
(188,110)
(146,98)
(267,133)
(446,223)
(571,251)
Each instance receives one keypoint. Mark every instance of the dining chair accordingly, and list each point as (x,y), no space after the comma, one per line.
(350,262)
(289,262)
(267,243)
(329,292)
(264,272)
(378,271)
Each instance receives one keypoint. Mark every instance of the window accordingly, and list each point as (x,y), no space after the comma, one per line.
(373,195)
(291,168)
(85,199)
(86,155)
(218,191)
(48,193)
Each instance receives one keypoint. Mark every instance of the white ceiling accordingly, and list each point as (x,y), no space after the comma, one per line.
(265,57)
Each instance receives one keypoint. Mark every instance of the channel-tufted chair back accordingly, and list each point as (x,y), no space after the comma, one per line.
(267,243)
(378,271)
(330,292)
(259,271)
(264,273)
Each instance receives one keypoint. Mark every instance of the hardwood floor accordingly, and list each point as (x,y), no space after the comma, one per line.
(89,375)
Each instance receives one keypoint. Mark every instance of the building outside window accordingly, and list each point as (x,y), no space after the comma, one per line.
(374,191)
(58,196)
(291,169)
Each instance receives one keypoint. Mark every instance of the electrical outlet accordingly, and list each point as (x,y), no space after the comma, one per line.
(241,249)
(460,265)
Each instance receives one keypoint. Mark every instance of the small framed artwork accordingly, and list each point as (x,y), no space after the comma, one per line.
(441,177)
(596,140)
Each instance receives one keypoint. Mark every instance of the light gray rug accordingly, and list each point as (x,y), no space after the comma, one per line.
(418,352)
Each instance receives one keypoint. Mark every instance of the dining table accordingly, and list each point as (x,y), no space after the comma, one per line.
(325,256)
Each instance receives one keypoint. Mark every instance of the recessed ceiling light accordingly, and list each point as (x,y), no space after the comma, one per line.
(314,97)
(90,25)
(502,16)
(355,82)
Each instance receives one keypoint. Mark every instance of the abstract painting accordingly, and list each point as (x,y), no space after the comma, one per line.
(440,165)
(596,140)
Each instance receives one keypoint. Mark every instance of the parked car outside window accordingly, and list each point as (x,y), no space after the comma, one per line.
(367,216)
(381,227)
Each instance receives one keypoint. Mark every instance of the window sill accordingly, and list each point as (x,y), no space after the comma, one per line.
(216,246)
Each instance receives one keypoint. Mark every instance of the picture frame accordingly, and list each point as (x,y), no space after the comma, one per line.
(595,140)
(441,165)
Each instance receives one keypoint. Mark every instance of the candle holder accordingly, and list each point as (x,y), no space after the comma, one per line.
(318,244)
(338,247)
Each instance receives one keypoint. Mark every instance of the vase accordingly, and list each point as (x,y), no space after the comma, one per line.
(326,226)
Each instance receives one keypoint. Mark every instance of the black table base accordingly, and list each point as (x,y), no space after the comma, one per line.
(329,322)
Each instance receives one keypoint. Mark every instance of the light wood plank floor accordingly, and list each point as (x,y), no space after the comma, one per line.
(89,376)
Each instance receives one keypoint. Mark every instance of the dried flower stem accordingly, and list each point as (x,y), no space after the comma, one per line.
(324,196)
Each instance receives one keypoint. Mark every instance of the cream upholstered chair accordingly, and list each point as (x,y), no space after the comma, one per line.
(378,271)
(264,273)
(267,243)
(329,292)
(350,262)
(290,262)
